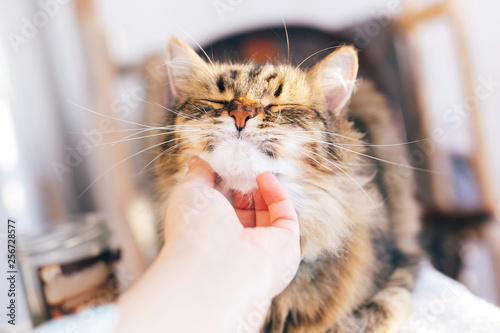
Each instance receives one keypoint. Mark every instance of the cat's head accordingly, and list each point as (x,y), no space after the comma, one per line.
(245,119)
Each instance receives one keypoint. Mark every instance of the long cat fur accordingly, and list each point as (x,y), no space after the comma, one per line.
(357,215)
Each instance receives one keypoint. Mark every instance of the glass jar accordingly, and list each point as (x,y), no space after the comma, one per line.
(68,266)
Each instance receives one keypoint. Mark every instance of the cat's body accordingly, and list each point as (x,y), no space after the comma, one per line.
(367,287)
(357,217)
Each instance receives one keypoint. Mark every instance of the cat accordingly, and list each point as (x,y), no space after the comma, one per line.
(328,138)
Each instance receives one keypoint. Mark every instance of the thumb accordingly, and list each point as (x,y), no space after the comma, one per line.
(200,173)
(196,186)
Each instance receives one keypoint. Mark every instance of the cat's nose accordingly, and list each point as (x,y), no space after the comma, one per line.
(242,109)
(240,118)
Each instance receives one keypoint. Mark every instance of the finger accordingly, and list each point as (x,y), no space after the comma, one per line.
(200,173)
(281,211)
(258,201)
(246,217)
(261,210)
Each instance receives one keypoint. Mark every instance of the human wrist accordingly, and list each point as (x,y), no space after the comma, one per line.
(219,288)
(229,284)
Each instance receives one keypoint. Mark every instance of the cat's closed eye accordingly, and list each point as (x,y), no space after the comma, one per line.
(215,104)
(273,108)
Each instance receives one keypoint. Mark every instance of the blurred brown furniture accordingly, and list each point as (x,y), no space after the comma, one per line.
(458,200)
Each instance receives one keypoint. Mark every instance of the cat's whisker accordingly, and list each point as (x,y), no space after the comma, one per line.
(170,62)
(362,143)
(201,48)
(157,134)
(380,159)
(373,157)
(279,108)
(160,65)
(111,117)
(130,136)
(357,164)
(301,150)
(330,133)
(122,161)
(317,52)
(383,145)
(343,171)
(212,44)
(203,148)
(187,62)
(167,151)
(134,130)
(287,39)
(130,139)
(118,131)
(204,111)
(166,63)
(173,111)
(193,128)
(165,127)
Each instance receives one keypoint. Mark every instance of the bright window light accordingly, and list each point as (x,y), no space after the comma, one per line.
(8,148)
(14,197)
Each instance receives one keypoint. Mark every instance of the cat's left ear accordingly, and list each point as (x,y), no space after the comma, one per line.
(336,76)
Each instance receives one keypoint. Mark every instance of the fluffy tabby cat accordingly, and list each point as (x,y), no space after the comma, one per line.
(357,216)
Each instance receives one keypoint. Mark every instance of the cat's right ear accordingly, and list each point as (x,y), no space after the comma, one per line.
(181,62)
(336,76)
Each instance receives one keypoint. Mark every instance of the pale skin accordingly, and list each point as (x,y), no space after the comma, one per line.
(221,264)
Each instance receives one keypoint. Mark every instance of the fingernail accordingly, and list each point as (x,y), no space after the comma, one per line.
(192,161)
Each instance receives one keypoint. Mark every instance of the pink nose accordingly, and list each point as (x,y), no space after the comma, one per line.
(240,118)
(242,109)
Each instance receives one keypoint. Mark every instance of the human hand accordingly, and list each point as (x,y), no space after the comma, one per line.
(218,260)
(266,226)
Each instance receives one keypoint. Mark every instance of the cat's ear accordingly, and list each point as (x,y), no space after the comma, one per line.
(182,62)
(336,76)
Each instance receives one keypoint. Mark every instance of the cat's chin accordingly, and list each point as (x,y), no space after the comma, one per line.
(238,163)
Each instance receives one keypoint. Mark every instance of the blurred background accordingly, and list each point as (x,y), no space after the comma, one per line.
(81,88)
